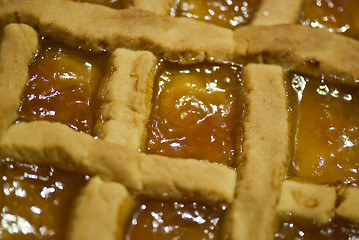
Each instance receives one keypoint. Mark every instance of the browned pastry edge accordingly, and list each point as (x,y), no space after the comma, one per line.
(272,12)
(161,7)
(266,150)
(43,142)
(16,51)
(96,27)
(126,98)
(101,211)
(300,48)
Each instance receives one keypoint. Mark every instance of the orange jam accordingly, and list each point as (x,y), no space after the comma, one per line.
(225,13)
(117,4)
(36,200)
(336,16)
(326,134)
(301,229)
(195,113)
(167,220)
(62,87)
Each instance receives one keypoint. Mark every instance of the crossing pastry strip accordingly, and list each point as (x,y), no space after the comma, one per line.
(311,201)
(126,97)
(296,47)
(292,46)
(266,152)
(17,49)
(56,144)
(171,38)
(161,7)
(349,207)
(274,12)
(101,211)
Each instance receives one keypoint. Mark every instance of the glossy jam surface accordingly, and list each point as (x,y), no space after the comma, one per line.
(326,146)
(196,112)
(335,15)
(300,229)
(117,4)
(62,87)
(168,220)
(36,200)
(225,13)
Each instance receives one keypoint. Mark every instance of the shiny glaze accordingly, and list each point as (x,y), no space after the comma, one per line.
(225,13)
(336,16)
(168,220)
(301,229)
(326,132)
(195,113)
(62,87)
(36,200)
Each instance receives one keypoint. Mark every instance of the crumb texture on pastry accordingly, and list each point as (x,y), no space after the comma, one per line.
(58,145)
(273,12)
(101,211)
(307,200)
(265,154)
(126,98)
(167,37)
(18,47)
(349,207)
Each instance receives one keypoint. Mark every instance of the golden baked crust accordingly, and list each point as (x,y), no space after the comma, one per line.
(126,96)
(291,46)
(307,200)
(348,208)
(161,7)
(295,47)
(102,210)
(266,151)
(17,49)
(150,36)
(273,12)
(58,145)
(167,37)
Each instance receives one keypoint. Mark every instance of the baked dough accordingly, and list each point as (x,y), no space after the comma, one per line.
(17,49)
(126,98)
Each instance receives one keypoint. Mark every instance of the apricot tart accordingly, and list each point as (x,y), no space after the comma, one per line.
(179,119)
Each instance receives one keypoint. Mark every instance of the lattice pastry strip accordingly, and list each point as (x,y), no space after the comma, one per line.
(298,51)
(80,151)
(126,96)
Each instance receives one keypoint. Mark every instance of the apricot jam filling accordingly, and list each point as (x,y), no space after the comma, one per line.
(196,112)
(62,87)
(225,13)
(326,131)
(165,220)
(302,229)
(336,16)
(116,4)
(36,200)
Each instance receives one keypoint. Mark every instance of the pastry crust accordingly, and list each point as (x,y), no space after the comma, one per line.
(265,151)
(349,207)
(16,51)
(266,144)
(311,201)
(101,211)
(292,46)
(178,39)
(161,7)
(58,145)
(296,48)
(273,12)
(126,98)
